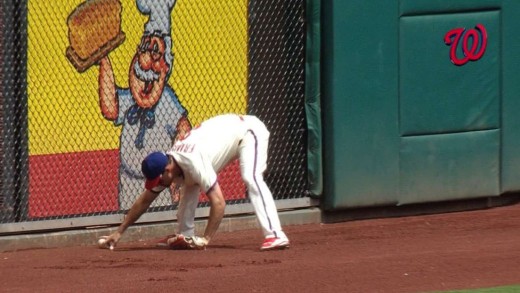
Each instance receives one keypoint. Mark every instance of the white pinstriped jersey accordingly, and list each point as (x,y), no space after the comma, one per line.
(209,147)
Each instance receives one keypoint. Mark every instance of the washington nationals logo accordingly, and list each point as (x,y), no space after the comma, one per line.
(472,50)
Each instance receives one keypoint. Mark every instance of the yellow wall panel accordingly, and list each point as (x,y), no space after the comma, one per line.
(209,74)
(210,44)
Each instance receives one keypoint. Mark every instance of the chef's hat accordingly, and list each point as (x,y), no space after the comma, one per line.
(160,15)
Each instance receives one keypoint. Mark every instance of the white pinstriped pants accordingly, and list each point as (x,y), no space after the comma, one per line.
(253,162)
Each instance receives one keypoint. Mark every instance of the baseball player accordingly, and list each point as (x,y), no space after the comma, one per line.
(194,162)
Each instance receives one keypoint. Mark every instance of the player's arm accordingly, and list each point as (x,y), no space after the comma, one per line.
(138,208)
(216,211)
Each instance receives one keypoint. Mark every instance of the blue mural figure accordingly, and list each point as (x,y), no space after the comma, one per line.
(149,111)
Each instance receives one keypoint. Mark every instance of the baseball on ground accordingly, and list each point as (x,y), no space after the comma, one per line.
(102,243)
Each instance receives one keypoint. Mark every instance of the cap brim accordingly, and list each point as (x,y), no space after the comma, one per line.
(152,183)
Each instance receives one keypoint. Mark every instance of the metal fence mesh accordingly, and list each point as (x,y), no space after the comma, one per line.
(13,102)
(75,76)
(276,89)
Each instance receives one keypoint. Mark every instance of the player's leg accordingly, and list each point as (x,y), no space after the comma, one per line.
(189,198)
(185,219)
(188,202)
(253,162)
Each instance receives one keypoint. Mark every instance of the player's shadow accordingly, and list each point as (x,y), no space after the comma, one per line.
(224,246)
(143,248)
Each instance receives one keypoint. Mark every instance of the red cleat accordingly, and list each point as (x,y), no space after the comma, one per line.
(273,243)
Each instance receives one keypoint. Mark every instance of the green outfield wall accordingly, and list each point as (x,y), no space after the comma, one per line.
(420,101)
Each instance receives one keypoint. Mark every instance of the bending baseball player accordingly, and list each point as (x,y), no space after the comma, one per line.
(194,162)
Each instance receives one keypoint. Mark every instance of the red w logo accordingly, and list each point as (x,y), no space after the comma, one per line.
(478,37)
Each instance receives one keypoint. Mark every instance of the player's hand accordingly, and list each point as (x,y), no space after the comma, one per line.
(196,242)
(111,240)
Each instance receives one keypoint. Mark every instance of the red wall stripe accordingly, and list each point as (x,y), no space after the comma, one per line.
(73,183)
(86,182)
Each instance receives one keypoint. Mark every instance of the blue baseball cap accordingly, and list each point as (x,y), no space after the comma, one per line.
(152,167)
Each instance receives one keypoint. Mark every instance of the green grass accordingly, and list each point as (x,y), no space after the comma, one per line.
(504,289)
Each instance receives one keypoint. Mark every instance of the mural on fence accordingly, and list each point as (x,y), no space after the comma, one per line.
(105,89)
(148,111)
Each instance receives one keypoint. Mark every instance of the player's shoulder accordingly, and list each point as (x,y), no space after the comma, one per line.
(229,118)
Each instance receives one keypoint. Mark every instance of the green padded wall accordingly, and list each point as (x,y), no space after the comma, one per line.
(436,96)
(510,74)
(403,121)
(449,114)
(360,117)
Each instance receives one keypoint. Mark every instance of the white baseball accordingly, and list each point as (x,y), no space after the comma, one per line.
(102,243)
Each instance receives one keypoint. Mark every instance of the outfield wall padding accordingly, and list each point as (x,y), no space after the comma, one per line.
(420,101)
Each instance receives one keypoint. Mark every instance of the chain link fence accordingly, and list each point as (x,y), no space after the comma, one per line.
(89,88)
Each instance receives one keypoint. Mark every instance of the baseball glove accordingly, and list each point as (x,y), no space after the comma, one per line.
(177,242)
(196,242)
(180,241)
